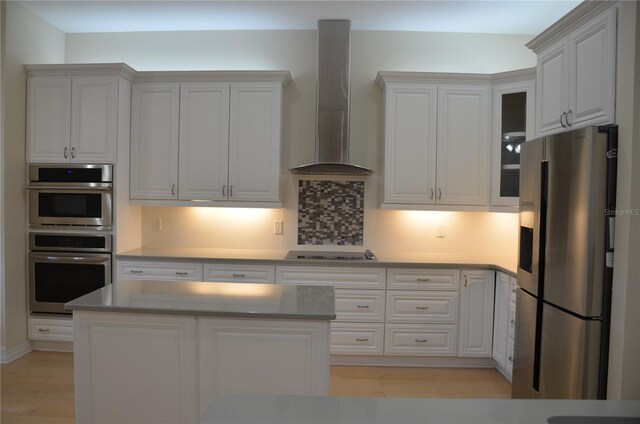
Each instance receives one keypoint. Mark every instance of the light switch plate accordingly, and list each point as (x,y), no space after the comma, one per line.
(277,227)
(441,231)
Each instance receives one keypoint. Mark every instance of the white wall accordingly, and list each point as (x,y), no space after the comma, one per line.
(26,39)
(624,360)
(372,51)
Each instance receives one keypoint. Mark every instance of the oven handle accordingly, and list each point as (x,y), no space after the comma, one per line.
(71,259)
(70,189)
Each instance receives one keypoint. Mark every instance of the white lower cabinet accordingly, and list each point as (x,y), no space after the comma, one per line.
(342,277)
(239,273)
(420,339)
(415,306)
(500,319)
(255,356)
(50,329)
(159,270)
(360,338)
(476,313)
(360,305)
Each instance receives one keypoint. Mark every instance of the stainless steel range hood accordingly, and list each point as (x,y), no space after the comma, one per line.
(332,113)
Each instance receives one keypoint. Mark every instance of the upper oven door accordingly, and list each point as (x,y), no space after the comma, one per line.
(73,204)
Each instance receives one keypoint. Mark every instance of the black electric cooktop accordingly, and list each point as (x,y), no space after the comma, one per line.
(332,256)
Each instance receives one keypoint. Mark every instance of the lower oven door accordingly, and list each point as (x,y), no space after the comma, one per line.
(56,278)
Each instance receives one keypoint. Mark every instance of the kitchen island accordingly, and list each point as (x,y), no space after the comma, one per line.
(161,351)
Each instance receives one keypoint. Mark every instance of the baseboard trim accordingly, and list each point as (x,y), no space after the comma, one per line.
(412,361)
(13,353)
(52,346)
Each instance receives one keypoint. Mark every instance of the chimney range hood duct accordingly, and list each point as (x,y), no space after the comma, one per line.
(332,113)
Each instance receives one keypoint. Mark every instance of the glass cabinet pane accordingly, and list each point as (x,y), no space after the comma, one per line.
(514,124)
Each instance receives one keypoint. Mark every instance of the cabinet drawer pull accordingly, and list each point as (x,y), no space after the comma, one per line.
(237,275)
(431,197)
(362,340)
(510,358)
(182,273)
(231,190)
(514,290)
(135,271)
(439,194)
(422,279)
(566,119)
(362,306)
(421,340)
(423,308)
(73,152)
(465,281)
(173,189)
(44,330)
(224,190)
(65,152)
(513,321)
(563,116)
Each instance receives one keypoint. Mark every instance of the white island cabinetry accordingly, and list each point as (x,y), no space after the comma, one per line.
(161,351)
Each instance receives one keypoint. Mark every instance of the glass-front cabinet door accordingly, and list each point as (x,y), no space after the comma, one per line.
(513,123)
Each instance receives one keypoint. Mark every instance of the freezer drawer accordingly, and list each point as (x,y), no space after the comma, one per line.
(570,356)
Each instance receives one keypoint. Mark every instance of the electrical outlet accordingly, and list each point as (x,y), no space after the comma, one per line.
(441,231)
(157,224)
(277,227)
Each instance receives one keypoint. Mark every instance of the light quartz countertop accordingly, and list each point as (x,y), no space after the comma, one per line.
(239,300)
(263,409)
(507,264)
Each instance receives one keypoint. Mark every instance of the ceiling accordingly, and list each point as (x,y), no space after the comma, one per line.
(500,17)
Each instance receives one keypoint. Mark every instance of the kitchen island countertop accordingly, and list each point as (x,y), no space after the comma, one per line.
(240,300)
(505,264)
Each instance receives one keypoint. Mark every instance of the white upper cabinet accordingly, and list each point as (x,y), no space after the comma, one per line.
(154,140)
(254,141)
(513,123)
(199,140)
(437,141)
(464,131)
(204,136)
(476,313)
(72,112)
(410,144)
(576,70)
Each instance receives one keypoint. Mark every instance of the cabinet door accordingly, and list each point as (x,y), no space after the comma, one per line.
(48,119)
(501,319)
(154,140)
(464,134)
(476,313)
(410,144)
(204,141)
(254,142)
(513,123)
(592,72)
(94,119)
(552,98)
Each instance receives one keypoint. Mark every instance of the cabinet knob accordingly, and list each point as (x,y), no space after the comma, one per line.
(73,152)
(66,152)
(510,358)
(362,340)
(513,321)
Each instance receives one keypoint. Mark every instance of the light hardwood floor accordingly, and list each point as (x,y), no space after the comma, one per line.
(38,388)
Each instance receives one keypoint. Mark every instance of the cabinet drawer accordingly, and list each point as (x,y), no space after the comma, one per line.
(417,306)
(360,305)
(348,338)
(513,289)
(239,273)
(51,329)
(511,327)
(355,278)
(420,339)
(423,279)
(176,271)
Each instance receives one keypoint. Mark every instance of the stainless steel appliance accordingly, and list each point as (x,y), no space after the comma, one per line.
(367,255)
(567,211)
(70,195)
(63,267)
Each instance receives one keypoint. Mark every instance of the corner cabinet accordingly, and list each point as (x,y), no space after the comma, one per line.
(72,112)
(576,71)
(437,140)
(476,313)
(218,140)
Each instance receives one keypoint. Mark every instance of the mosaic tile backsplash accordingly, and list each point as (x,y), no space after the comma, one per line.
(331,213)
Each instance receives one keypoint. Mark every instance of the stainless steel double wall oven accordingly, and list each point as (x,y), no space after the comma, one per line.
(70,220)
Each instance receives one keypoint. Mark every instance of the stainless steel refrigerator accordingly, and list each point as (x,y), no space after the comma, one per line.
(565,264)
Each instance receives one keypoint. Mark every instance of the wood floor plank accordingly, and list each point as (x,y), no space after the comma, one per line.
(38,388)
